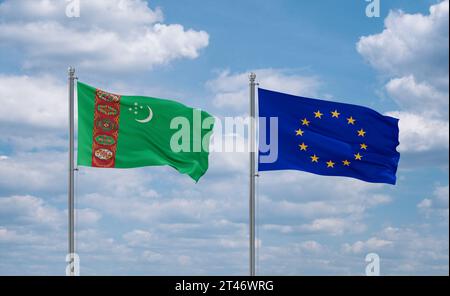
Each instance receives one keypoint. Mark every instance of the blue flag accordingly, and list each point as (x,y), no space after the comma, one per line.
(327,138)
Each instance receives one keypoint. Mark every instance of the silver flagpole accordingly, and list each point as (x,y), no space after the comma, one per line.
(252,78)
(71,190)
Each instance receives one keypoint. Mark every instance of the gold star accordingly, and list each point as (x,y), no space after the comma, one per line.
(346,163)
(318,114)
(363,146)
(335,114)
(299,132)
(314,158)
(330,164)
(305,122)
(361,133)
(351,120)
(303,147)
(358,156)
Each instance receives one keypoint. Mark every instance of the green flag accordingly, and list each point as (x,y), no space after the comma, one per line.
(117,131)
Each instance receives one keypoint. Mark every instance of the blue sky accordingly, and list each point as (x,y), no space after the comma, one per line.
(154,221)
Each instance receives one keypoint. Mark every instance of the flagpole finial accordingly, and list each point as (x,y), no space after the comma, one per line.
(252,77)
(71,71)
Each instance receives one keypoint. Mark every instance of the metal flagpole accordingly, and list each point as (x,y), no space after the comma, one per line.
(71,197)
(252,137)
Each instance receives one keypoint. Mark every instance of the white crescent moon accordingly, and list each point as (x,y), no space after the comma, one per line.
(150,116)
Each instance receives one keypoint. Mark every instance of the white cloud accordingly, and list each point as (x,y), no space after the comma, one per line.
(93,242)
(441,196)
(156,210)
(34,172)
(425,204)
(404,250)
(333,226)
(30,210)
(113,13)
(420,97)
(114,35)
(371,245)
(151,256)
(410,43)
(420,132)
(437,205)
(34,101)
(87,216)
(233,243)
(412,52)
(34,211)
(419,251)
(231,89)
(138,237)
(312,246)
(12,236)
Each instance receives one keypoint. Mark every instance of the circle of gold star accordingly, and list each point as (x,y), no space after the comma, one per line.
(334,114)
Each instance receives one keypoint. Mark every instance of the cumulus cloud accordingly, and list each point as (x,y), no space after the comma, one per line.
(421,251)
(371,245)
(12,236)
(29,210)
(412,52)
(442,196)
(231,89)
(87,217)
(162,210)
(312,246)
(334,226)
(138,237)
(420,97)
(437,204)
(40,102)
(113,13)
(34,172)
(420,133)
(410,43)
(328,226)
(36,212)
(116,35)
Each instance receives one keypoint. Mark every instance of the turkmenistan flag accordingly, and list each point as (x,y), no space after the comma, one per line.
(117,131)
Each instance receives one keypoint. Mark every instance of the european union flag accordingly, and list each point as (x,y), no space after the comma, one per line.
(328,138)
